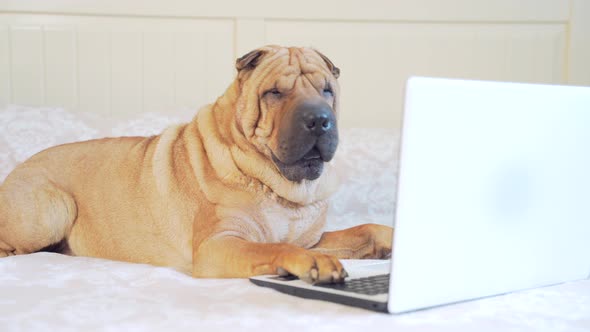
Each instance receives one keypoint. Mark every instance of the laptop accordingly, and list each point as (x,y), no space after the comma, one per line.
(493,197)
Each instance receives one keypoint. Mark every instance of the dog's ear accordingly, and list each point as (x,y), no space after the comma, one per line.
(335,70)
(249,60)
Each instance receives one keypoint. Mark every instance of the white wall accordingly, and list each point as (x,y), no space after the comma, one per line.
(122,57)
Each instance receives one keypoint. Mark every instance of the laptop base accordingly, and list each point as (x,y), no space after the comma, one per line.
(323,296)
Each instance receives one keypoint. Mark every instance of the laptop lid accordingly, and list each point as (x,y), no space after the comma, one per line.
(494,190)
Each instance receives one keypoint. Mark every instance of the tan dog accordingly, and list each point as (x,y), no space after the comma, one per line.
(239,191)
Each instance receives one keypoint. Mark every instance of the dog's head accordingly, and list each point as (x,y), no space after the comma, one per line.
(287,108)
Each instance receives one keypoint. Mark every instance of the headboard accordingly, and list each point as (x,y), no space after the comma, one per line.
(118,58)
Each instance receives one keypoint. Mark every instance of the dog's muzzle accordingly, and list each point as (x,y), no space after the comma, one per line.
(308,137)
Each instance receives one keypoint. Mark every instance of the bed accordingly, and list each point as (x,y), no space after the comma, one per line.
(52,292)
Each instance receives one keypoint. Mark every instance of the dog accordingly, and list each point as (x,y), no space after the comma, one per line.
(240,190)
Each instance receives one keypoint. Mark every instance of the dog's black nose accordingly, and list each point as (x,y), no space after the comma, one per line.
(317,118)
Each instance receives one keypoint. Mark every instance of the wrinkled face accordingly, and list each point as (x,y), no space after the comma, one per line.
(289,102)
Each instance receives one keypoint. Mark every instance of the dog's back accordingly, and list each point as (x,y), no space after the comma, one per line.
(41,207)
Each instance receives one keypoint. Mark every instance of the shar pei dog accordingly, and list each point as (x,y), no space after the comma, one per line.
(240,190)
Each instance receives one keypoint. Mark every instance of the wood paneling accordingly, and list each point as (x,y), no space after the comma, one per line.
(578,69)
(377,58)
(93,68)
(5,75)
(60,67)
(114,66)
(120,58)
(367,10)
(27,65)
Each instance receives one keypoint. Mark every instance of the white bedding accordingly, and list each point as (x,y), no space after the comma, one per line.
(51,292)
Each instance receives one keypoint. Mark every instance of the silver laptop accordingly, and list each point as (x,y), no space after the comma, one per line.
(493,197)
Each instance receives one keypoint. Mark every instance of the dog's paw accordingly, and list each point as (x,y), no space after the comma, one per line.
(310,267)
(378,241)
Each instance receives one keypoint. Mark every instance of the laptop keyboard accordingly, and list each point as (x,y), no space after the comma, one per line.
(372,285)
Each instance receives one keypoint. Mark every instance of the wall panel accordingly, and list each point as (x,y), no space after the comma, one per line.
(27,65)
(327,10)
(126,64)
(158,79)
(60,67)
(578,68)
(120,58)
(377,58)
(93,70)
(114,66)
(5,75)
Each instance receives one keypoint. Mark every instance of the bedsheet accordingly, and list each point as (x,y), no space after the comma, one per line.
(52,292)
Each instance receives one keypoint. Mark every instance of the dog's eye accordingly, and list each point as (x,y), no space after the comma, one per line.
(273,92)
(328,92)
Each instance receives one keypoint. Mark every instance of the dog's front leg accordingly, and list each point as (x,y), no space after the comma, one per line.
(233,257)
(364,241)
